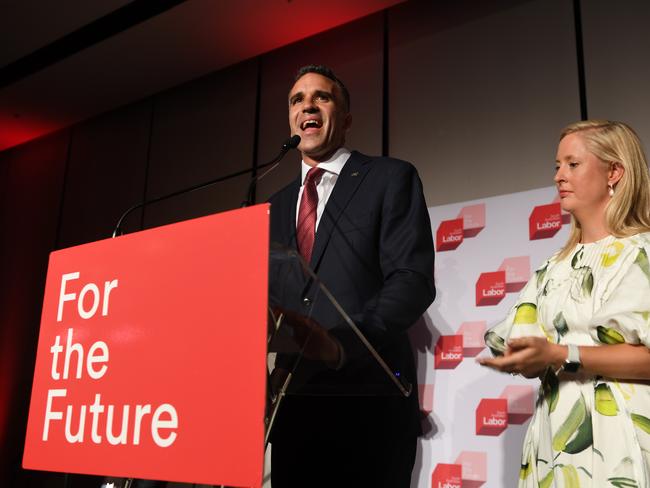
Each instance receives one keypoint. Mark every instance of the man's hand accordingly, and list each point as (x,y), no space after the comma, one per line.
(528,356)
(315,342)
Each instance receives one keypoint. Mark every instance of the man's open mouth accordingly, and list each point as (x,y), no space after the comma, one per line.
(311,124)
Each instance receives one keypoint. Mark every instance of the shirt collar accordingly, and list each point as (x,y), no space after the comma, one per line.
(332,165)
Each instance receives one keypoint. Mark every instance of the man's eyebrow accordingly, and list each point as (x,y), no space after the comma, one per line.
(317,93)
(295,95)
(321,93)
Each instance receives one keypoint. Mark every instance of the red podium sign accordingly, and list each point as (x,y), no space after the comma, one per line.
(151,358)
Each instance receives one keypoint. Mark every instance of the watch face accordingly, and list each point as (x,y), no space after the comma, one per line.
(571,367)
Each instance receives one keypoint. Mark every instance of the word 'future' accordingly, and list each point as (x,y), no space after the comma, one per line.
(162,423)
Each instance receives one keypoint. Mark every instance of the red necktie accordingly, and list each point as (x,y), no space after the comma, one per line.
(306,229)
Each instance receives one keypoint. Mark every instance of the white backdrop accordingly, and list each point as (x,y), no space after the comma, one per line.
(496,234)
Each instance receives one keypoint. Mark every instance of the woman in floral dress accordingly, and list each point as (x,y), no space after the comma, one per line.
(582,323)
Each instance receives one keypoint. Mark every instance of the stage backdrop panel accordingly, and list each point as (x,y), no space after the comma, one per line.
(485,252)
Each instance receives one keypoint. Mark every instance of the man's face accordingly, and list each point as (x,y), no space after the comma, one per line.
(317,113)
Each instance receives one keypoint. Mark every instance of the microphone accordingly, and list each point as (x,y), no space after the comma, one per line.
(290,143)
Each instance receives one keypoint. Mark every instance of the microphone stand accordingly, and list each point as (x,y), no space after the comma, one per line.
(290,143)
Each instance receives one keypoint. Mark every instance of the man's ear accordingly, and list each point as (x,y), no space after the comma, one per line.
(616,171)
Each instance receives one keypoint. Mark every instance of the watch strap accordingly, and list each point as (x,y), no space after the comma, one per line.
(572,362)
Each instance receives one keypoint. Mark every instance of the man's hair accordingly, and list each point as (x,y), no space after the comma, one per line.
(327,72)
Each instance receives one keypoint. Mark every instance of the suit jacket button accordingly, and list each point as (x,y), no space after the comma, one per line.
(306,302)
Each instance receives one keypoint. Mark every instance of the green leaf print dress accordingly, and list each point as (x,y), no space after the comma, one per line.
(587,431)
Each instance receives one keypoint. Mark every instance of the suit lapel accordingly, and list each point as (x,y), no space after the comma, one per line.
(352,174)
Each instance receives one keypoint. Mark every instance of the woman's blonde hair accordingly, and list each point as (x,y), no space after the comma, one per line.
(628,211)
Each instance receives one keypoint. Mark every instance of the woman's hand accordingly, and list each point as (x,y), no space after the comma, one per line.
(528,356)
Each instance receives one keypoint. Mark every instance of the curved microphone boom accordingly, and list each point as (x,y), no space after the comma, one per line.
(290,143)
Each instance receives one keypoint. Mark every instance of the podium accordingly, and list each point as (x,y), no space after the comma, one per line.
(308,318)
(318,347)
(152,355)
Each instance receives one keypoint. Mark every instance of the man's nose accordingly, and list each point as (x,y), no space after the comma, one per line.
(309,107)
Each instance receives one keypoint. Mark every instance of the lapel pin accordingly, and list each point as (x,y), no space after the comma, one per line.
(356,173)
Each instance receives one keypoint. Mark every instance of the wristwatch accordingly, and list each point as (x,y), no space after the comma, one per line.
(572,361)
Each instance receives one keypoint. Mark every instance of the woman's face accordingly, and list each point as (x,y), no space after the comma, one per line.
(581,178)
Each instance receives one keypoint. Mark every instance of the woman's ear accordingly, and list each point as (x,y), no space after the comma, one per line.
(616,171)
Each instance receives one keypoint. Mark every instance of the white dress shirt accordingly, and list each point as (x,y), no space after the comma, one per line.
(332,167)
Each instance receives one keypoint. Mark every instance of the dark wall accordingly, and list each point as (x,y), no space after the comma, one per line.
(105,174)
(477,104)
(200,131)
(33,182)
(616,62)
(474,93)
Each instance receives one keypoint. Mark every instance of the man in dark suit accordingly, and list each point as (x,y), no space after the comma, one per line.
(362,225)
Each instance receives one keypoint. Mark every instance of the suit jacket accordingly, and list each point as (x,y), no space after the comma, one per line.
(374,251)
